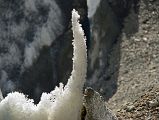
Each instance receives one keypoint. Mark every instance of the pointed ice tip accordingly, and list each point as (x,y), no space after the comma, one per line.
(75,15)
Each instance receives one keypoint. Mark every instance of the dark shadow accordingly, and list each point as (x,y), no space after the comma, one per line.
(104,55)
(38,78)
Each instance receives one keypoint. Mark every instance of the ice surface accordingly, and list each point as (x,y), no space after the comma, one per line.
(63,103)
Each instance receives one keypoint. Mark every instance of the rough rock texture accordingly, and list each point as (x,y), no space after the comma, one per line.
(139,66)
(145,107)
(95,106)
(104,31)
(123,59)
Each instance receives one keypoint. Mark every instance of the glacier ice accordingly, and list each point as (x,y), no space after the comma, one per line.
(63,103)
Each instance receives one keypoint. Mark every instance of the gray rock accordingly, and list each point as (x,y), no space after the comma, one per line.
(96,108)
(1,96)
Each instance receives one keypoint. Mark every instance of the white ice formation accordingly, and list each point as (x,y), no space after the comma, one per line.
(63,103)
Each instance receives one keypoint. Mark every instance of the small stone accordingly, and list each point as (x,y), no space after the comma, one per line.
(153,103)
(153,12)
(145,39)
(145,31)
(130,108)
(137,40)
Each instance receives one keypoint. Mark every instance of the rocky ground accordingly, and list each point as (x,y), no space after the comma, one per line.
(144,108)
(139,65)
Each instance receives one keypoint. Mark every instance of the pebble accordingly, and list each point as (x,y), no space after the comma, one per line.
(153,103)
(137,40)
(145,39)
(130,108)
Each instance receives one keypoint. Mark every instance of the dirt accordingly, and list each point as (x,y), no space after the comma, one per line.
(139,64)
(144,108)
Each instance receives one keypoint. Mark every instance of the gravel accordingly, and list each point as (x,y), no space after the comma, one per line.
(144,108)
(139,61)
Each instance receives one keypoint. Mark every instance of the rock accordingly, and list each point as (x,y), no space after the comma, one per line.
(153,103)
(101,65)
(145,39)
(138,58)
(144,108)
(1,96)
(96,108)
(129,108)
